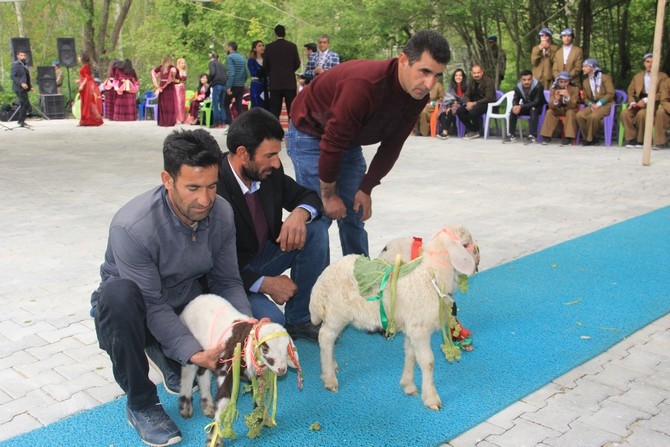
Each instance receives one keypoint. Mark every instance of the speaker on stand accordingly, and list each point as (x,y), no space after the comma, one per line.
(67,56)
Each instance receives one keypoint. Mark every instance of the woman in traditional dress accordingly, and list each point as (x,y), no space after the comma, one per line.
(163,78)
(109,88)
(180,89)
(258,89)
(89,94)
(125,106)
(201,94)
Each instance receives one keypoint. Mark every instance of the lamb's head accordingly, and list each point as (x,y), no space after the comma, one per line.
(458,243)
(270,346)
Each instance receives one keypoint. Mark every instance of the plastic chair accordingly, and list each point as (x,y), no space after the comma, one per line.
(190,94)
(509,96)
(620,97)
(150,103)
(206,113)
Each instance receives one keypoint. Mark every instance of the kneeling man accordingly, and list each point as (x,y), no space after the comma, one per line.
(252,179)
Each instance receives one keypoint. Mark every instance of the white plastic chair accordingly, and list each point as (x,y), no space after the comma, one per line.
(509,96)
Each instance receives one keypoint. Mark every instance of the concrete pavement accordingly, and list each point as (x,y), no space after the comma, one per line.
(62,184)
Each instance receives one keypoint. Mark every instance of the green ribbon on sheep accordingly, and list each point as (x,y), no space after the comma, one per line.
(374,274)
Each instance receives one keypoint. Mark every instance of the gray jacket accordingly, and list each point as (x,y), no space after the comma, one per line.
(149,245)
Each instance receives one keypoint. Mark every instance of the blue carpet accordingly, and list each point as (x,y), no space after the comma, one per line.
(533,320)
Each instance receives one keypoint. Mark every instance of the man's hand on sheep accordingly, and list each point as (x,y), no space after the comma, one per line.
(364,201)
(208,358)
(279,288)
(294,230)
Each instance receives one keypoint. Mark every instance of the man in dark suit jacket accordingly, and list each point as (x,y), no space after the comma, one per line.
(252,179)
(280,61)
(21,85)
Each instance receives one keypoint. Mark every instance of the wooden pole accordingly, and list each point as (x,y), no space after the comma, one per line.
(651,105)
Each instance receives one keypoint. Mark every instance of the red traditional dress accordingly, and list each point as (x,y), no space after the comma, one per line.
(91,99)
(167,98)
(125,107)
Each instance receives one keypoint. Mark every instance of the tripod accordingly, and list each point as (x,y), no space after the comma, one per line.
(11,118)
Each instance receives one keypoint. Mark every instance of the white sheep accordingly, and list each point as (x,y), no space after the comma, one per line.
(212,320)
(336,302)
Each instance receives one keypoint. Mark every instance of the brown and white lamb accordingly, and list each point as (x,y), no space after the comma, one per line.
(336,302)
(212,320)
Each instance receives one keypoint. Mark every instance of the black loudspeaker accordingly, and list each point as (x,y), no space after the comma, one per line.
(53,106)
(46,79)
(67,55)
(22,44)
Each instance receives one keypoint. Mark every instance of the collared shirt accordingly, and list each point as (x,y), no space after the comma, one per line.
(566,53)
(647,85)
(255,186)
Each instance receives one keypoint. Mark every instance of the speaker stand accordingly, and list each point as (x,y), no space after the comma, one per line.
(39,110)
(26,126)
(68,104)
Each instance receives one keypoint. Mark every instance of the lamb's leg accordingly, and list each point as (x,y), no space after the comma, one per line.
(224,382)
(327,337)
(205,385)
(186,392)
(424,356)
(407,378)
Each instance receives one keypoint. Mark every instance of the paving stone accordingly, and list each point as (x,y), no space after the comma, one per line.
(646,438)
(523,434)
(33,399)
(47,414)
(659,422)
(506,418)
(539,398)
(557,416)
(582,435)
(21,423)
(641,360)
(641,397)
(587,394)
(614,418)
(475,436)
(105,393)
(45,351)
(616,375)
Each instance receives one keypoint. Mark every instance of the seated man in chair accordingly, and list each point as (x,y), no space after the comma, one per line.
(563,102)
(633,118)
(598,98)
(528,100)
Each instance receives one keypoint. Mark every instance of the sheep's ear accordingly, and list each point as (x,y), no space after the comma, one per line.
(461,259)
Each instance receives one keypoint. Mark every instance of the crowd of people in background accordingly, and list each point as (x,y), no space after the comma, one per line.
(268,78)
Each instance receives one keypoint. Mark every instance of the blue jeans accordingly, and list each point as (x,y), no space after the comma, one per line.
(218,94)
(306,265)
(304,152)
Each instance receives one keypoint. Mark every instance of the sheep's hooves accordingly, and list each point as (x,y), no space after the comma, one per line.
(185,407)
(434,405)
(410,390)
(332,386)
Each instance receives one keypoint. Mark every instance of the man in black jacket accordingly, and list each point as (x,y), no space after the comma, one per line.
(21,85)
(252,179)
(528,100)
(217,79)
(480,92)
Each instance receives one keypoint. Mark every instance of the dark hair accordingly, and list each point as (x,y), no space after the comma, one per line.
(213,55)
(196,148)
(252,53)
(280,31)
(232,44)
(525,73)
(310,46)
(431,41)
(85,59)
(200,82)
(251,128)
(464,82)
(127,67)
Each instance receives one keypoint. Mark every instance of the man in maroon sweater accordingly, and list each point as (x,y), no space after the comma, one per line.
(357,103)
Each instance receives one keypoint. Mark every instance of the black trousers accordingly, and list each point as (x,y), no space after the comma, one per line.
(533,112)
(276,97)
(121,326)
(472,119)
(238,94)
(24,102)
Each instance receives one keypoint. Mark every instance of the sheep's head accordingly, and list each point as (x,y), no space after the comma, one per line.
(463,252)
(273,347)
